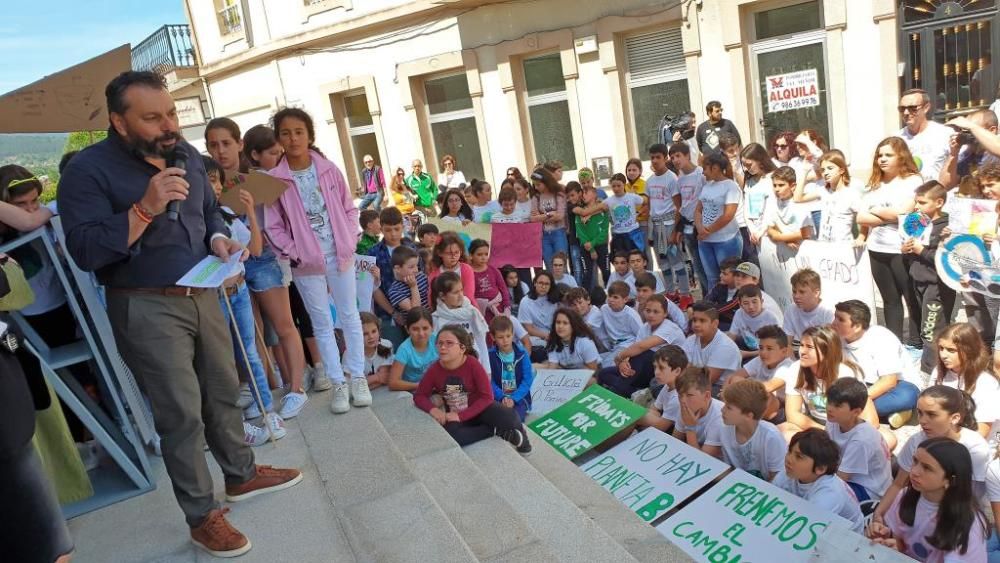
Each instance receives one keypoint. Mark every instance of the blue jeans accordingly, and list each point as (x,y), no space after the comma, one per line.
(576,262)
(553,241)
(369,199)
(240,302)
(713,253)
(993,547)
(691,242)
(901,398)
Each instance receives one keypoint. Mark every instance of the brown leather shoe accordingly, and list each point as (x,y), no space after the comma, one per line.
(268,479)
(218,537)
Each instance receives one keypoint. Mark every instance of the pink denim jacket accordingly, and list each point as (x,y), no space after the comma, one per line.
(288,227)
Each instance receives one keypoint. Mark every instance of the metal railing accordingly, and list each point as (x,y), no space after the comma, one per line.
(168,48)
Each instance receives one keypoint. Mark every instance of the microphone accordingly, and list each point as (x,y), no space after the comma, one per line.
(179,161)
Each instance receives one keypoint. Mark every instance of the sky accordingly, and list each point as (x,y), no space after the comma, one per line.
(41,38)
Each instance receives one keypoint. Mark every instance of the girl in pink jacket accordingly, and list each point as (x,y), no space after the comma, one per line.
(315,224)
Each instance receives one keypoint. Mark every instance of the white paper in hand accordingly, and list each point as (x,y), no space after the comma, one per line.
(211,271)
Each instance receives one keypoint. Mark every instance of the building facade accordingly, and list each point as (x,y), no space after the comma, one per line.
(499,84)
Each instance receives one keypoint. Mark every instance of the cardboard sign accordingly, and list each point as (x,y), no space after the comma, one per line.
(364,266)
(744,518)
(793,90)
(652,472)
(967,257)
(517,244)
(69,100)
(264,188)
(551,388)
(972,216)
(845,272)
(841,545)
(590,418)
(468,233)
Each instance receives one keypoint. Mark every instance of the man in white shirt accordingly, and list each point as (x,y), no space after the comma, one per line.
(928,140)
(883,360)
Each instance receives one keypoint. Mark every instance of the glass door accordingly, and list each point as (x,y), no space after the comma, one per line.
(790,88)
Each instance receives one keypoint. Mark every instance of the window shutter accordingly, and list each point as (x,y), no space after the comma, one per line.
(655,55)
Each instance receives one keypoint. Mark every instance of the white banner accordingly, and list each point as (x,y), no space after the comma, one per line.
(553,387)
(652,472)
(845,271)
(744,518)
(793,90)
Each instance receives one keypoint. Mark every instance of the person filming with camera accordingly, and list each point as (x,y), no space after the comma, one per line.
(973,144)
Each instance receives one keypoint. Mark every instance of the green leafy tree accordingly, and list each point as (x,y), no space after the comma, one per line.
(76,141)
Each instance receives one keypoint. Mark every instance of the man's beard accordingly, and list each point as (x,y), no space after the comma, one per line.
(153,148)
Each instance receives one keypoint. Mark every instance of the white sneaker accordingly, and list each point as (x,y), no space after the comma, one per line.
(361,396)
(291,405)
(254,435)
(277,425)
(340,403)
(320,380)
(251,412)
(246,397)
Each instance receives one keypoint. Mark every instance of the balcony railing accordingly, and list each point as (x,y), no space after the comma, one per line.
(230,21)
(167,49)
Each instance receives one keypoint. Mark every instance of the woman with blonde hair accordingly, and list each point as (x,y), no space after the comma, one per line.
(889,194)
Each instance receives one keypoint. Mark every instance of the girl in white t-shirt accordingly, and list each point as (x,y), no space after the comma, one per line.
(378,352)
(840,202)
(936,518)
(942,412)
(571,343)
(537,310)
(821,362)
(889,194)
(714,217)
(963,363)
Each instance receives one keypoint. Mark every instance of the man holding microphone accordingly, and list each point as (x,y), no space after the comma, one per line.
(140,223)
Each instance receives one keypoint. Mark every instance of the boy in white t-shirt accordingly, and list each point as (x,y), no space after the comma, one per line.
(637,263)
(748,273)
(749,443)
(700,424)
(668,364)
(664,218)
(709,347)
(787,222)
(750,318)
(806,310)
(621,272)
(773,368)
(811,473)
(864,456)
(578,299)
(645,286)
(621,322)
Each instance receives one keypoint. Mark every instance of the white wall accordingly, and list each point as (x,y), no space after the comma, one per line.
(864,95)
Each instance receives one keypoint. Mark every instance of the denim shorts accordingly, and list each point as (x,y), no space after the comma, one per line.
(263,272)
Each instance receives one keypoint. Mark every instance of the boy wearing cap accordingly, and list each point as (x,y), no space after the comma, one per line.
(748,273)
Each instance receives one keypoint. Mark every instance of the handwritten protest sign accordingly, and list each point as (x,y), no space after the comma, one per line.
(841,545)
(517,244)
(652,472)
(846,273)
(972,216)
(967,257)
(553,387)
(743,518)
(365,284)
(468,233)
(590,418)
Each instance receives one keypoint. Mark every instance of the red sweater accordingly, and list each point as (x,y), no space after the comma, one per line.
(466,390)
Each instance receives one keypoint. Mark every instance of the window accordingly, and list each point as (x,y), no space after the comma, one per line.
(229,16)
(548,110)
(786,20)
(453,124)
(657,82)
(360,129)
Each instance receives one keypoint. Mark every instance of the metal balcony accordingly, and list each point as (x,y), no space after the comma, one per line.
(166,50)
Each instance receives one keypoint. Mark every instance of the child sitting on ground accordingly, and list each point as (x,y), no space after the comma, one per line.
(668,364)
(409,289)
(371,231)
(416,353)
(469,412)
(621,272)
(633,366)
(749,443)
(571,343)
(772,367)
(864,456)
(454,308)
(700,424)
(637,263)
(748,273)
(491,291)
(806,309)
(578,299)
(378,352)
(811,473)
(709,347)
(510,368)
(560,265)
(749,319)
(645,286)
(724,293)
(621,322)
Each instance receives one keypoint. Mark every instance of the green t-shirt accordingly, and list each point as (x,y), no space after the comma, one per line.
(424,186)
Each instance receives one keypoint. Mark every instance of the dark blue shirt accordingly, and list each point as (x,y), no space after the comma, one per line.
(96,192)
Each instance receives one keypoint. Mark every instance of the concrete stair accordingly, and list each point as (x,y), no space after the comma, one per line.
(387,484)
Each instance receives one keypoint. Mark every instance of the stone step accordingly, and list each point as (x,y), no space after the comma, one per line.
(640,539)
(484,517)
(385,510)
(571,533)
